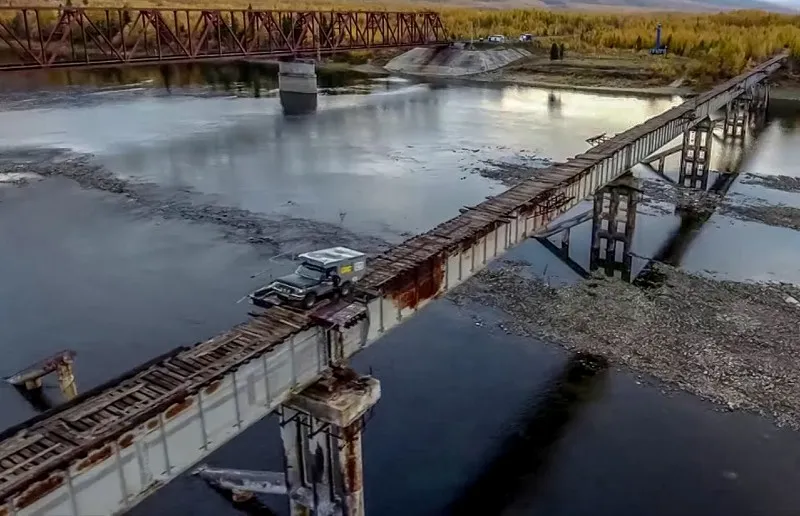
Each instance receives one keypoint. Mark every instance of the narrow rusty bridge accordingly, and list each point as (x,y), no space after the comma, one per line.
(72,37)
(111,447)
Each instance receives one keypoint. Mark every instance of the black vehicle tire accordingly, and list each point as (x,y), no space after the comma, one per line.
(309,301)
(346,290)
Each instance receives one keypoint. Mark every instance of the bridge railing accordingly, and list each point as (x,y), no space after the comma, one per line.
(46,37)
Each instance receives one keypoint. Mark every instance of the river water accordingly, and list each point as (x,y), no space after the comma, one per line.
(201,183)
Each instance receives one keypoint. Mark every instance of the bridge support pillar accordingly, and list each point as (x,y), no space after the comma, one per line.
(321,432)
(613,224)
(297,85)
(736,118)
(696,155)
(759,103)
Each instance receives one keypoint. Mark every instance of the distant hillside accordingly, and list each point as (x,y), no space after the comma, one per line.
(784,6)
(676,5)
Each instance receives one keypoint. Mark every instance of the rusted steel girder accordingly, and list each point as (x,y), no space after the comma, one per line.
(69,37)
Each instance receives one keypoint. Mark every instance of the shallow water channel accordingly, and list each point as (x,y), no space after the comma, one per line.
(134,216)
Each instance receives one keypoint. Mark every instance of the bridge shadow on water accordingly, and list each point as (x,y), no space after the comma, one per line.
(523,458)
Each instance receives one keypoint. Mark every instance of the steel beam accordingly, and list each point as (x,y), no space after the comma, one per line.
(71,37)
(696,155)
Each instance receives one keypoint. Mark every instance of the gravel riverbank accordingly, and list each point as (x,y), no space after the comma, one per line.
(734,205)
(736,344)
(273,234)
(783,183)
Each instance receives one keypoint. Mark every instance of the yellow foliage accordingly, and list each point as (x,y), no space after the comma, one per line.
(720,45)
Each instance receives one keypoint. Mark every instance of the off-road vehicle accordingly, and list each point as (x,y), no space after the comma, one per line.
(323,273)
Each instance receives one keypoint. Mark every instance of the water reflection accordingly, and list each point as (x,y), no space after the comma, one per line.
(554,104)
(248,78)
(398,160)
(524,456)
(615,209)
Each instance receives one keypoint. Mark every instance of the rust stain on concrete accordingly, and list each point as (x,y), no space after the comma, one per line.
(177,408)
(38,491)
(95,457)
(352,460)
(212,388)
(126,440)
(420,285)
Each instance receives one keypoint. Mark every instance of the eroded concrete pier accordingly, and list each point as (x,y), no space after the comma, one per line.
(321,433)
(613,226)
(297,84)
(696,155)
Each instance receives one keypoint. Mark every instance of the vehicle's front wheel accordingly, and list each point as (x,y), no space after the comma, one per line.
(346,290)
(309,301)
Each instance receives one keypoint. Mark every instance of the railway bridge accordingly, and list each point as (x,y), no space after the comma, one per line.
(37,38)
(110,447)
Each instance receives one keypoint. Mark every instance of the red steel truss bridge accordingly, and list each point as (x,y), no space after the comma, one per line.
(70,37)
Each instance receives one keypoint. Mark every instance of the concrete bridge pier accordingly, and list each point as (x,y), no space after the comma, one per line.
(736,118)
(613,226)
(696,155)
(297,85)
(321,433)
(759,103)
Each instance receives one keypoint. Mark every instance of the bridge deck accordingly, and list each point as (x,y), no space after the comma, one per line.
(75,436)
(59,436)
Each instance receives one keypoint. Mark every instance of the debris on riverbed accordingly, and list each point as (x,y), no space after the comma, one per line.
(17,178)
(276,233)
(513,172)
(780,216)
(658,194)
(783,183)
(737,344)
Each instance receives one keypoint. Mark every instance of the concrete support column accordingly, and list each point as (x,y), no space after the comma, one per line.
(696,155)
(297,84)
(759,103)
(736,118)
(321,432)
(613,226)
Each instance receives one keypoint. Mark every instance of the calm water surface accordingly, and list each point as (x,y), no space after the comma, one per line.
(472,421)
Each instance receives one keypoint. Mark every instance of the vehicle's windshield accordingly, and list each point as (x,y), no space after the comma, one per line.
(309,273)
